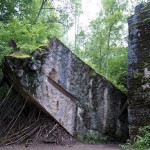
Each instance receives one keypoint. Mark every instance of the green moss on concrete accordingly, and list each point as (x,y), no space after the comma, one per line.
(147,20)
(138,75)
(93,74)
(19,55)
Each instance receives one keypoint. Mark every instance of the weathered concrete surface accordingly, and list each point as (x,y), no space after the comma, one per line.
(53,98)
(77,97)
(139,69)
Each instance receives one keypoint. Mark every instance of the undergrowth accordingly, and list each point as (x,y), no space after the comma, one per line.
(93,139)
(142,141)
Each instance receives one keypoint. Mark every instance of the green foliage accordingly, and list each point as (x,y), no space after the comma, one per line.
(76,7)
(105,48)
(93,139)
(80,137)
(27,36)
(29,23)
(118,68)
(142,141)
(17,9)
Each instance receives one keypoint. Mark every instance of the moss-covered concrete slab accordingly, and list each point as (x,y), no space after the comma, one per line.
(80,99)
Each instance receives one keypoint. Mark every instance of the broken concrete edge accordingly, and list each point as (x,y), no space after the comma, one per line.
(12,80)
(25,56)
(135,20)
(94,74)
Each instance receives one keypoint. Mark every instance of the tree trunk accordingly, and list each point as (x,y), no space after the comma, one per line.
(107,50)
(42,5)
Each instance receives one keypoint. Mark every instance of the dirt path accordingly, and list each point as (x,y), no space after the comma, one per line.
(69,147)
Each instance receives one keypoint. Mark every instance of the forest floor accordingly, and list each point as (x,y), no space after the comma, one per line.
(66,147)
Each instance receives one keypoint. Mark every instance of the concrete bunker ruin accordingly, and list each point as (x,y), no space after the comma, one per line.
(138,69)
(55,96)
(65,88)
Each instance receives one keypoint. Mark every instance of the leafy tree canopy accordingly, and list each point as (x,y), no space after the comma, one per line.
(30,23)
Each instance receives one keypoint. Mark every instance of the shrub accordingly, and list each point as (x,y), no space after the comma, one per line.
(142,141)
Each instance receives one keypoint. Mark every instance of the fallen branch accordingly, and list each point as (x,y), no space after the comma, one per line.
(16,118)
(24,137)
(6,95)
(56,125)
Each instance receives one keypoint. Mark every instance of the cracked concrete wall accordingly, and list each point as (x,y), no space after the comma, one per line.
(139,69)
(57,104)
(87,101)
(98,101)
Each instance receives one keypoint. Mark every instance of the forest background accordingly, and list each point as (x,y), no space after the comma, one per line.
(102,45)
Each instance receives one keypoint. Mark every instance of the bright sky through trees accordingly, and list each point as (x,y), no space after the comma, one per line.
(90,9)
